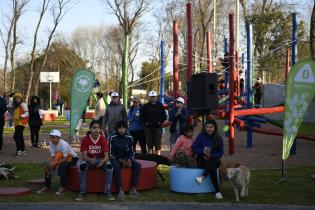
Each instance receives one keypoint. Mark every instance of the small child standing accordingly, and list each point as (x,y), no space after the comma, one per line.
(182,154)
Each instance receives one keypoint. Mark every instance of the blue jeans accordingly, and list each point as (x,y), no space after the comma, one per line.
(135,173)
(86,165)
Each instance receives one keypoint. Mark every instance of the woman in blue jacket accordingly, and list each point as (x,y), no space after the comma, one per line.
(136,127)
(208,147)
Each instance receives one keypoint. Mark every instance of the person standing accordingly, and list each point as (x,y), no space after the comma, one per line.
(258,92)
(136,127)
(153,116)
(95,153)
(114,113)
(20,121)
(122,156)
(3,109)
(35,119)
(100,107)
(10,110)
(179,118)
(208,147)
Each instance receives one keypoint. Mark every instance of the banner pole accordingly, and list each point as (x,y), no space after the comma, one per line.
(283,178)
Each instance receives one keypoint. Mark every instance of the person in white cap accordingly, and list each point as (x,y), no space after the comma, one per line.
(153,116)
(258,87)
(179,118)
(62,156)
(114,113)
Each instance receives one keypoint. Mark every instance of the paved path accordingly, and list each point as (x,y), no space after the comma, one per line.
(148,206)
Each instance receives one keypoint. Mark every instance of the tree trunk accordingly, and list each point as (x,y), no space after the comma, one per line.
(125,70)
(312,35)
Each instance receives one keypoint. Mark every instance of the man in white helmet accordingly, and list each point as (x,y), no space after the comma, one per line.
(153,116)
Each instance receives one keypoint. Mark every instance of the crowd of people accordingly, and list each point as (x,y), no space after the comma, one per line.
(110,143)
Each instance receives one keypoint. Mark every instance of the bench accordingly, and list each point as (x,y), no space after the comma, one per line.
(183,180)
(95,178)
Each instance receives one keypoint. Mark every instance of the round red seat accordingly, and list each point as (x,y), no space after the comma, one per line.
(95,178)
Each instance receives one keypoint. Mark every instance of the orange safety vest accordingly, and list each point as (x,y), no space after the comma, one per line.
(18,121)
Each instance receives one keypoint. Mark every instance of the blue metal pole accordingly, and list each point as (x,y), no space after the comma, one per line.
(294,60)
(249,84)
(162,73)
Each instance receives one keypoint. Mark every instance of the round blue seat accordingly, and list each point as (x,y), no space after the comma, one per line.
(184,180)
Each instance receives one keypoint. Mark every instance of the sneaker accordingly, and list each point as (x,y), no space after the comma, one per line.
(18,153)
(109,196)
(23,153)
(121,195)
(134,193)
(60,191)
(43,190)
(218,195)
(80,197)
(199,179)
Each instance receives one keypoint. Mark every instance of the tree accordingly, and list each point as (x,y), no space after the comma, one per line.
(150,75)
(60,58)
(58,11)
(43,10)
(312,32)
(128,13)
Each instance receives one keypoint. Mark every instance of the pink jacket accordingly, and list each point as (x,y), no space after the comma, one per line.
(182,144)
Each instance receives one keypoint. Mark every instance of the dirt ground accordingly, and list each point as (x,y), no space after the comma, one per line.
(265,152)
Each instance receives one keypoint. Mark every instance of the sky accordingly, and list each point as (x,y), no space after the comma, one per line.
(83,13)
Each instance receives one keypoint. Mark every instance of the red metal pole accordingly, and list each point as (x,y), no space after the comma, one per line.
(175,59)
(209,55)
(231,88)
(280,133)
(243,112)
(287,64)
(189,39)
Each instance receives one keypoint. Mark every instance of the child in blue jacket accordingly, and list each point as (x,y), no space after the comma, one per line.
(122,156)
(208,147)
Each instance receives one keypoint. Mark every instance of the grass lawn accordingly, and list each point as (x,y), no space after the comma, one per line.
(298,190)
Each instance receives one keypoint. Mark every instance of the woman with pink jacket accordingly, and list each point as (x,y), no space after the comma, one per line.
(182,154)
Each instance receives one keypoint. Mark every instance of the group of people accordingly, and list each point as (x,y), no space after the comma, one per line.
(97,152)
(21,114)
(145,121)
(145,126)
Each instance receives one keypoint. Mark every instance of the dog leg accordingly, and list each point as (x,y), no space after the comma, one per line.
(243,190)
(236,194)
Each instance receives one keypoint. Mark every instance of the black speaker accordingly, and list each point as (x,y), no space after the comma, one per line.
(203,93)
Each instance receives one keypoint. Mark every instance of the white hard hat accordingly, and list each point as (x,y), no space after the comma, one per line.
(180,99)
(55,132)
(114,94)
(152,93)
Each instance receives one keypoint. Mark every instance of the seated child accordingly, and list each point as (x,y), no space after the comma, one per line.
(62,157)
(94,148)
(122,154)
(182,154)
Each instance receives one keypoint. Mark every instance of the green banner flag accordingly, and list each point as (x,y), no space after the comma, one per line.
(82,85)
(299,92)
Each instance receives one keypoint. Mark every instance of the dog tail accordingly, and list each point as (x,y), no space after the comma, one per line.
(12,169)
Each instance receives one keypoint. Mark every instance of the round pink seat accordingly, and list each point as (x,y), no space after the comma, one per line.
(95,178)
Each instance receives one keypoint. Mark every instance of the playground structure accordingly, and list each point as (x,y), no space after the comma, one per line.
(238,112)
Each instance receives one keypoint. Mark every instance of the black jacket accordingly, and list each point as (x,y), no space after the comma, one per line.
(3,108)
(34,116)
(121,147)
(153,115)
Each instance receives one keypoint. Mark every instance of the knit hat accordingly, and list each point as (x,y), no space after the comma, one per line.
(18,94)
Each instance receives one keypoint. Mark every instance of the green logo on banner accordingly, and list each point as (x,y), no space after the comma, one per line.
(82,85)
(300,90)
